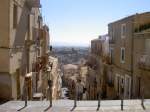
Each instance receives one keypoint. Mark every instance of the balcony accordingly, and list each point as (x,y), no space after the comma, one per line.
(38,34)
(144,62)
(33,3)
(142,28)
(107,60)
(111,41)
(28,43)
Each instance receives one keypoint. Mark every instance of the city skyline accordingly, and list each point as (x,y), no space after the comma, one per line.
(75,23)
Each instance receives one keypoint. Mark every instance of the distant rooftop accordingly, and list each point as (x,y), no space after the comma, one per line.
(82,106)
(70,66)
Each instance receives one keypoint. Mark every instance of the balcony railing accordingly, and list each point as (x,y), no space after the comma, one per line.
(33,3)
(144,61)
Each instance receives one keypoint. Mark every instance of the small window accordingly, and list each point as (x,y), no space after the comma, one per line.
(122,55)
(110,78)
(29,25)
(111,55)
(117,83)
(15,15)
(123,30)
(113,32)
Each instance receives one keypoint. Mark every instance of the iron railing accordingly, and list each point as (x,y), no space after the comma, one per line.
(99,101)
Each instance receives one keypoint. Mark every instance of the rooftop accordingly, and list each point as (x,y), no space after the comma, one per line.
(70,66)
(82,106)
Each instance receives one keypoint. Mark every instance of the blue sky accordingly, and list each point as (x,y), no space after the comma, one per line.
(76,22)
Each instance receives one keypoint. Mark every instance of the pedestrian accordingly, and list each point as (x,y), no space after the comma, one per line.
(79,90)
(85,94)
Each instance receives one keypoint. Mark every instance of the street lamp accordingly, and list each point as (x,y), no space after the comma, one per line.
(122,93)
(49,81)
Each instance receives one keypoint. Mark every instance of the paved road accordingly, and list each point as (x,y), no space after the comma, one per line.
(82,106)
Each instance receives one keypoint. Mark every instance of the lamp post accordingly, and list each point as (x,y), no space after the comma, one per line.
(49,81)
(122,94)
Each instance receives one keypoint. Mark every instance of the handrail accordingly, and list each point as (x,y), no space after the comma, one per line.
(142,99)
(50,94)
(99,100)
(75,100)
(122,103)
(26,97)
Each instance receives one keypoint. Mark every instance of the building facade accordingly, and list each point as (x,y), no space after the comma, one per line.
(70,75)
(24,44)
(125,46)
(97,67)
(141,66)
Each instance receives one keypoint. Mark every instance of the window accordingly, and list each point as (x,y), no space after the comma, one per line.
(15,15)
(123,30)
(117,83)
(122,55)
(113,33)
(39,21)
(111,55)
(127,88)
(110,34)
(29,25)
(110,78)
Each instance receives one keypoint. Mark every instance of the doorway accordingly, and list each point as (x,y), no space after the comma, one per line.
(127,93)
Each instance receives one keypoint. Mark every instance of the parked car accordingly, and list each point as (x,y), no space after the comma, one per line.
(64,93)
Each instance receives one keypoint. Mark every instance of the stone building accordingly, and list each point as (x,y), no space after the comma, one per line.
(70,75)
(97,68)
(129,39)
(42,62)
(23,47)
(69,70)
(55,77)
(141,64)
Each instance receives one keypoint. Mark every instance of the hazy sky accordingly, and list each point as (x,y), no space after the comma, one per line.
(76,22)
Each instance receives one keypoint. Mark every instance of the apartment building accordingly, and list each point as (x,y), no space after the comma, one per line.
(55,76)
(42,63)
(93,69)
(128,40)
(97,67)
(21,45)
(141,63)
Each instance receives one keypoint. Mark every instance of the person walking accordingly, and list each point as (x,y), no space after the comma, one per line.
(79,89)
(85,94)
